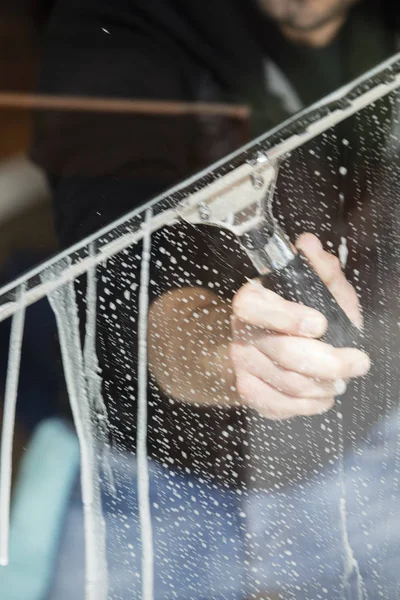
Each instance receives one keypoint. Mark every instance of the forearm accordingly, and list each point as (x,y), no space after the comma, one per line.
(189,337)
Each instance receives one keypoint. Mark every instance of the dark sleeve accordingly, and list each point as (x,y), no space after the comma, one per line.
(101,165)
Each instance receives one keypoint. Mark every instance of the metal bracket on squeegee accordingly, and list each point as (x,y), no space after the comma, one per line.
(233,194)
(242,202)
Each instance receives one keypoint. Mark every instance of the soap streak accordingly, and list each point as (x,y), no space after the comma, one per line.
(63,302)
(350,563)
(7,436)
(142,417)
(93,379)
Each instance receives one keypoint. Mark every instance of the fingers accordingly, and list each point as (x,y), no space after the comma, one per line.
(273,404)
(290,383)
(313,358)
(260,307)
(308,357)
(328,268)
(279,393)
(282,369)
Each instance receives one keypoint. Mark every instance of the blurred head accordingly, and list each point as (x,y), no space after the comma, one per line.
(305,15)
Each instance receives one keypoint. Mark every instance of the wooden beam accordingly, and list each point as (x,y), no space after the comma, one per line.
(37,102)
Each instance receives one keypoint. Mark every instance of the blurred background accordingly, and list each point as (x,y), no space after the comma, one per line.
(26,222)
(26,238)
(25,218)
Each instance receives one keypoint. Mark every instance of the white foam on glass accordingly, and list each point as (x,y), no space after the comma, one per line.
(7,435)
(93,378)
(141,450)
(63,303)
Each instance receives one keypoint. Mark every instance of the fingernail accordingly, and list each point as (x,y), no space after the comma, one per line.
(361,367)
(314,325)
(340,387)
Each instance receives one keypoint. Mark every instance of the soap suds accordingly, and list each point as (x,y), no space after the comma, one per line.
(63,303)
(99,414)
(7,435)
(142,459)
(350,563)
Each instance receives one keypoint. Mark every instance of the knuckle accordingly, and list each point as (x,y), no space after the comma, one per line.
(329,403)
(245,358)
(337,369)
(268,408)
(276,415)
(354,303)
(245,301)
(237,352)
(284,346)
(334,263)
(333,267)
(325,406)
(308,408)
(294,408)
(242,385)
(293,353)
(240,301)
(297,385)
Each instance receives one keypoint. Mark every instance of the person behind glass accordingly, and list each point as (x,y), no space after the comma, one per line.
(277,56)
(300,38)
